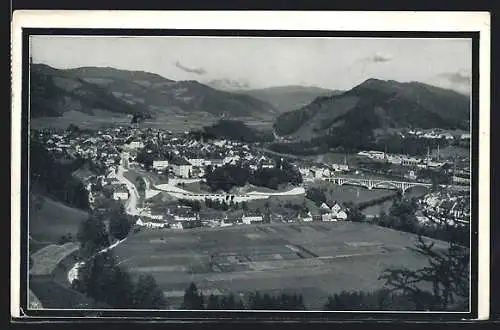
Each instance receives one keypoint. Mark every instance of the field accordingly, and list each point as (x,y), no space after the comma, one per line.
(315,259)
(54,220)
(177,123)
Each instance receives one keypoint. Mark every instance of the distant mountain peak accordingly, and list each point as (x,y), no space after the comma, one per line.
(228,84)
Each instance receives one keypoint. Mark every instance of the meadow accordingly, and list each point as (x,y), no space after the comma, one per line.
(314,259)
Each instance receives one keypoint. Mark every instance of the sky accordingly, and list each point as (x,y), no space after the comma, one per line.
(332,63)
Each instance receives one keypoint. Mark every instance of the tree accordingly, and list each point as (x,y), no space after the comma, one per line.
(119,225)
(192,298)
(73,128)
(280,302)
(316,195)
(446,274)
(147,294)
(208,170)
(213,302)
(354,214)
(92,236)
(96,275)
(121,289)
(36,202)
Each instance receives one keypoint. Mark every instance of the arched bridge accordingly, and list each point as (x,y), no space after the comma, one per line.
(381,184)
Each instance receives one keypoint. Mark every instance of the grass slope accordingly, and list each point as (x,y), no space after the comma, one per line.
(53,220)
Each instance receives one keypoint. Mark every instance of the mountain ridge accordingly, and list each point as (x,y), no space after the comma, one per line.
(86,89)
(381,104)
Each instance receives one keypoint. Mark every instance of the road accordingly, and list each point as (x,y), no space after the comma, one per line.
(130,208)
(131,205)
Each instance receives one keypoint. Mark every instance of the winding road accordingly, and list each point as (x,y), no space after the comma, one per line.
(130,209)
(131,204)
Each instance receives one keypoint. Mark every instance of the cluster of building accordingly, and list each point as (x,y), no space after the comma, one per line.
(186,157)
(182,217)
(99,147)
(461,176)
(405,160)
(436,134)
(446,206)
(317,172)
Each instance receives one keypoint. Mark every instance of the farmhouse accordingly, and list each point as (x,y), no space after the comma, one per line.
(333,213)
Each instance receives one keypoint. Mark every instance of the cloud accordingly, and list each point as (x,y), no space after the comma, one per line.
(459,81)
(376,58)
(457,78)
(379,58)
(199,71)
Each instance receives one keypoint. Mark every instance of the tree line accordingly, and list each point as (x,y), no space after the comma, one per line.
(56,177)
(228,176)
(234,130)
(354,138)
(195,300)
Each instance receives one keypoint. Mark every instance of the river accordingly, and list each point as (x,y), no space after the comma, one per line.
(357,195)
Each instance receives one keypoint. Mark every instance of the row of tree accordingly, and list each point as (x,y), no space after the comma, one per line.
(403,291)
(195,300)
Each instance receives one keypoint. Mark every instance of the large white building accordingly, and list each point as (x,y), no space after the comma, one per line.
(160,164)
(182,169)
(120,194)
(249,219)
(199,162)
(136,145)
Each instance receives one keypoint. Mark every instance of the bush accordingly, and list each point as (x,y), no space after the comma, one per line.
(317,195)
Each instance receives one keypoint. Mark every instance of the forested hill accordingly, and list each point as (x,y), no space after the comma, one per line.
(88,89)
(378,104)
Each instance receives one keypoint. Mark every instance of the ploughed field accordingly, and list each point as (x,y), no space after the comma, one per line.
(314,259)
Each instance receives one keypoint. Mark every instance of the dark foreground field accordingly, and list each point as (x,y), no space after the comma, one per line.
(315,259)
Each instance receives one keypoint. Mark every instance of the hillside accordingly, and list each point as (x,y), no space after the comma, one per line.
(53,220)
(377,104)
(93,89)
(289,98)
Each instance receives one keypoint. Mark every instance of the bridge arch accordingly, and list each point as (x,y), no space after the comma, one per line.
(409,186)
(354,183)
(395,185)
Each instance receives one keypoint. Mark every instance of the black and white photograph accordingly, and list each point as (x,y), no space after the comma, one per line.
(237,171)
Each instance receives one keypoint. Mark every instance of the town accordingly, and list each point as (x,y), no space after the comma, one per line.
(161,178)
